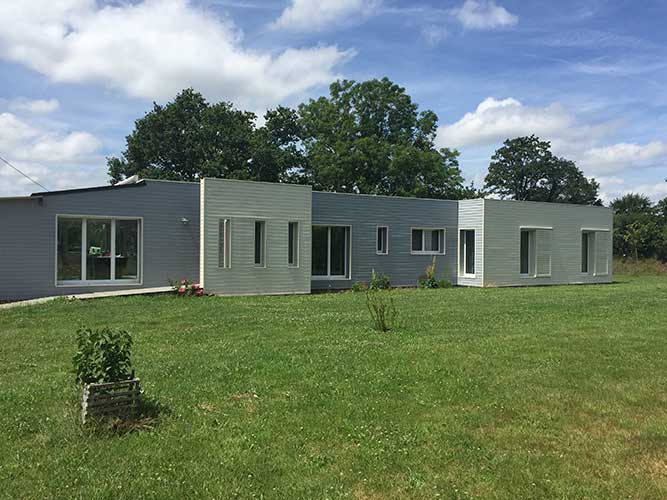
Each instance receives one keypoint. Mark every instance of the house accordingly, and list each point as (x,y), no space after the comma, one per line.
(241,237)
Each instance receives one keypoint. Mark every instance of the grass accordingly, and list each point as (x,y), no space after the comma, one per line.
(642,267)
(488,393)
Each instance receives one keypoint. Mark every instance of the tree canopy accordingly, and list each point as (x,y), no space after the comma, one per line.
(524,168)
(366,137)
(369,137)
(640,227)
(189,138)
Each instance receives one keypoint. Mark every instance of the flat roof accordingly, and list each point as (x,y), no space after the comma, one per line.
(86,189)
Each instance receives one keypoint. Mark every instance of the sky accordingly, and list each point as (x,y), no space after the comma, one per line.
(587,75)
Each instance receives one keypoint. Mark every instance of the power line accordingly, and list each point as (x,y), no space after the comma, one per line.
(24,175)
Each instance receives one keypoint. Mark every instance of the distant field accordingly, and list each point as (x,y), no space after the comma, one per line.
(644,267)
(549,392)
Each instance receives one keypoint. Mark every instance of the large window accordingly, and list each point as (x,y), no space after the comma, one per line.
(428,241)
(331,251)
(293,244)
(467,252)
(382,244)
(260,243)
(94,250)
(585,252)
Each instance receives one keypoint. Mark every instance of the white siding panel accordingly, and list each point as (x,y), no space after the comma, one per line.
(503,221)
(471,216)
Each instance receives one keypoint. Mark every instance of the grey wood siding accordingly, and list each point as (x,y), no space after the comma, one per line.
(243,203)
(364,213)
(503,221)
(471,216)
(28,235)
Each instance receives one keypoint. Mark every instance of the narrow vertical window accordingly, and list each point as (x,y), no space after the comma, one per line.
(224,243)
(293,244)
(525,252)
(585,255)
(417,240)
(467,252)
(260,243)
(382,247)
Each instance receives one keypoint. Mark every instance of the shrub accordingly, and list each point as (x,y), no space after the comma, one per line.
(379,281)
(445,284)
(428,280)
(102,355)
(381,307)
(359,286)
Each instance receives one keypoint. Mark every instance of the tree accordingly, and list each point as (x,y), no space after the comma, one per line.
(369,137)
(640,235)
(632,203)
(524,168)
(189,138)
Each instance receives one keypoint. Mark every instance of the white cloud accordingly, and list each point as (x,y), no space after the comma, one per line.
(321,15)
(57,160)
(621,156)
(655,191)
(34,106)
(484,14)
(496,120)
(433,34)
(154,48)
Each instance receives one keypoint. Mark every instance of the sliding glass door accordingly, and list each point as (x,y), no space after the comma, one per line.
(331,252)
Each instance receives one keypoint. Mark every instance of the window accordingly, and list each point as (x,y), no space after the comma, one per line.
(585,252)
(96,250)
(527,244)
(260,243)
(428,241)
(467,252)
(224,243)
(293,244)
(382,245)
(331,251)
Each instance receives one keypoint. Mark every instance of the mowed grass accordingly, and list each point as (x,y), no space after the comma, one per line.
(543,392)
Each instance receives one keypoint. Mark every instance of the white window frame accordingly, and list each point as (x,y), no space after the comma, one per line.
(592,252)
(265,229)
(84,236)
(532,256)
(386,246)
(463,254)
(348,245)
(227,243)
(297,249)
(429,252)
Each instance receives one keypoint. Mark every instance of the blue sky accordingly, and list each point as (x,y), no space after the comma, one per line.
(588,75)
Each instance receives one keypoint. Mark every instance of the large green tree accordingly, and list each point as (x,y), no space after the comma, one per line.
(189,138)
(637,227)
(524,168)
(370,137)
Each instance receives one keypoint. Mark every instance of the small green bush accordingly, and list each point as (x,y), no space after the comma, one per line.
(381,307)
(379,281)
(428,280)
(103,355)
(359,286)
(445,284)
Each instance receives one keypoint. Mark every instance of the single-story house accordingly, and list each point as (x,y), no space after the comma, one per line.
(241,237)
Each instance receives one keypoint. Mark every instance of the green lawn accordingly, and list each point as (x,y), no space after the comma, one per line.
(489,393)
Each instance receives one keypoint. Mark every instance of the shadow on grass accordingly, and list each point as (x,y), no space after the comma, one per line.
(145,417)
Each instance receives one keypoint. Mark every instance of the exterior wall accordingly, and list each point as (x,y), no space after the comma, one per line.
(244,203)
(471,216)
(364,213)
(503,221)
(28,235)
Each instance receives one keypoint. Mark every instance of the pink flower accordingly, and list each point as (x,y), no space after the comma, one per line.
(181,289)
(194,286)
(184,282)
(199,292)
